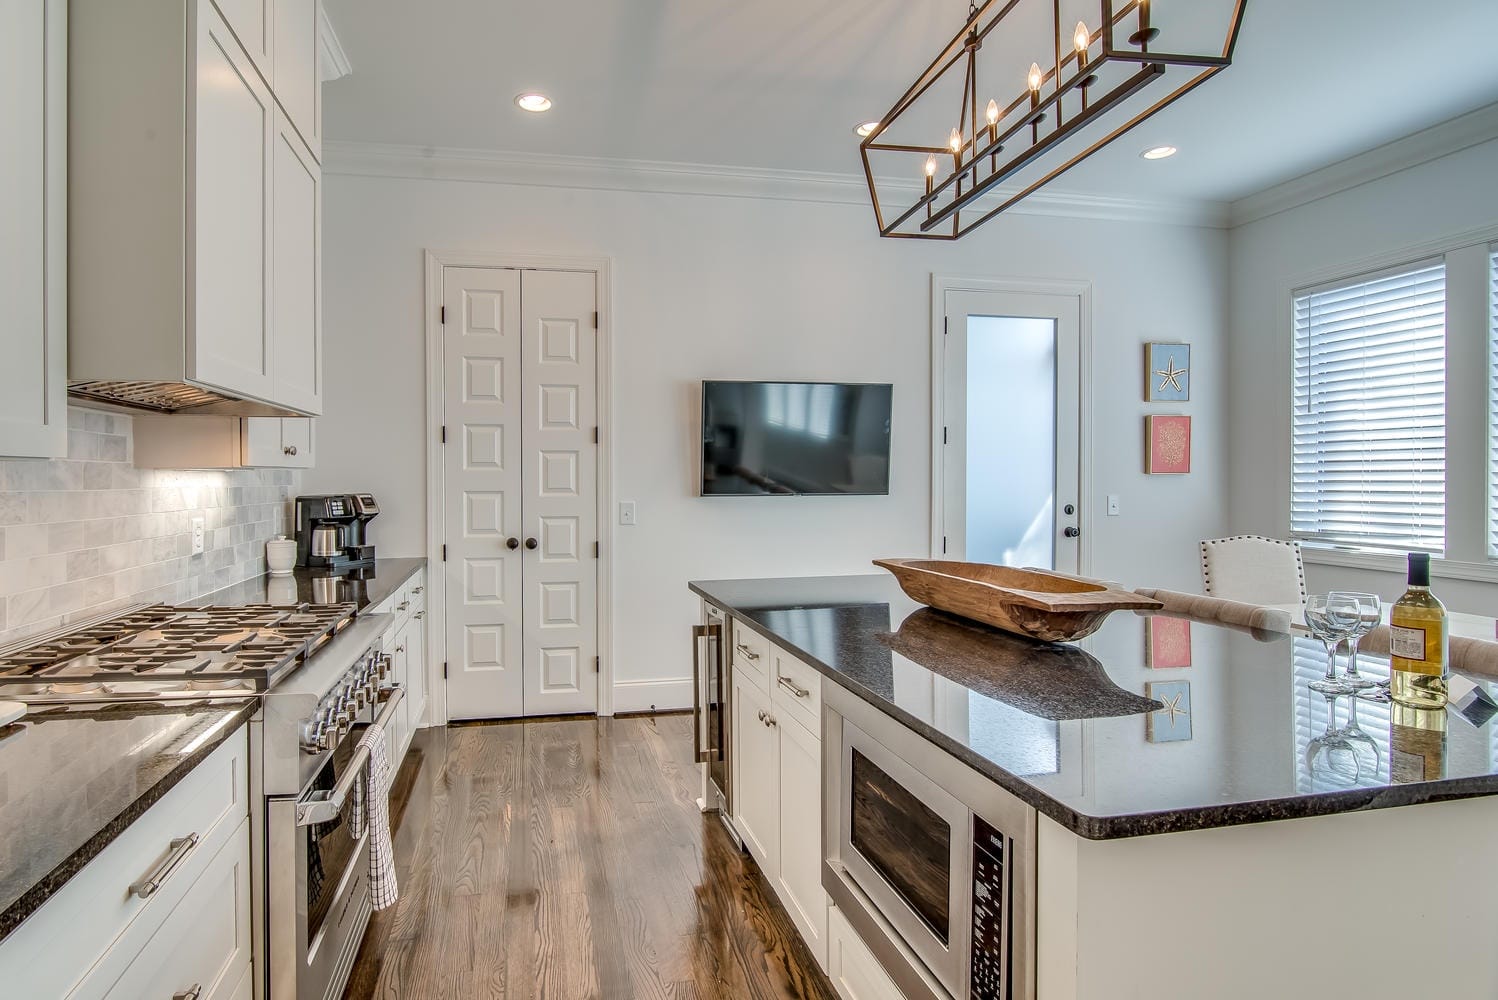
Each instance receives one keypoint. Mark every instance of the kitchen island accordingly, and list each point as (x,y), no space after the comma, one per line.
(1203,842)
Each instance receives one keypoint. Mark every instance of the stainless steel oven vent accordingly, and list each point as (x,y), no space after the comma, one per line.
(172,397)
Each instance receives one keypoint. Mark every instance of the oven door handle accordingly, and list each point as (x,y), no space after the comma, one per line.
(325,806)
(700,689)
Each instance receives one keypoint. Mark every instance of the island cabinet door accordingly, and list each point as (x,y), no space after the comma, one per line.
(756,756)
(800,881)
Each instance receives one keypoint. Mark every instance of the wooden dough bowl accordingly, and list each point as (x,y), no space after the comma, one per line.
(1037,603)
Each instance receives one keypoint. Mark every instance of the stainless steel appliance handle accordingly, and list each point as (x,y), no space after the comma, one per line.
(324,806)
(699,708)
(177,853)
(792,687)
(195,993)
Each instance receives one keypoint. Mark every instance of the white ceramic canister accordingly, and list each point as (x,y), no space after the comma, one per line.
(280,555)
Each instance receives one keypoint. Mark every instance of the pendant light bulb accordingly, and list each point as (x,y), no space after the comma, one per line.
(1082,38)
(955,141)
(1035,78)
(931,165)
(993,112)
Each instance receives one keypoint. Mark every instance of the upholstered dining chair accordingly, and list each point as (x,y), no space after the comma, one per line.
(1254,569)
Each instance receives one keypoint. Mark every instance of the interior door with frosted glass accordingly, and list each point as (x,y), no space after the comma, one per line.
(1011,402)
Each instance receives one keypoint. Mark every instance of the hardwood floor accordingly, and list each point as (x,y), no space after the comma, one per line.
(566,860)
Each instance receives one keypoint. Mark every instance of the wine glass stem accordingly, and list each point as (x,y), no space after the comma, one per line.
(1331,659)
(1352,657)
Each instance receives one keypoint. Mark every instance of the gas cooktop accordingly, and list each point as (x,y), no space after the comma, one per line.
(161,650)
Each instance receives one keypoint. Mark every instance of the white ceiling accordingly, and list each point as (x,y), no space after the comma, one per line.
(779,84)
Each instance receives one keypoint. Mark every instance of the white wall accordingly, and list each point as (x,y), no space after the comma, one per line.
(1435,201)
(721,287)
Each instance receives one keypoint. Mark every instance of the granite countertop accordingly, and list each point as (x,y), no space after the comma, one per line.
(1067,727)
(73,777)
(365,586)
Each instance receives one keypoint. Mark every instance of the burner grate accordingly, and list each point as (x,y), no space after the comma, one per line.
(251,646)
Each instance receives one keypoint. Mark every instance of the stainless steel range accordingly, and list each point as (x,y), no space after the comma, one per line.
(322,675)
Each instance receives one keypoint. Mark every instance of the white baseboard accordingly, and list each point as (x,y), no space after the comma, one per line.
(661,694)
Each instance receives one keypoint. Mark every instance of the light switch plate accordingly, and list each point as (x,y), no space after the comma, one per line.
(197,536)
(626,512)
(1112,504)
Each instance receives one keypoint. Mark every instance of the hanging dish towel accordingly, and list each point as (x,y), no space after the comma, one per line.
(375,814)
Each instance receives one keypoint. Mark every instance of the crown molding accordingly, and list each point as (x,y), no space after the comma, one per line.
(1452,136)
(332,61)
(359,159)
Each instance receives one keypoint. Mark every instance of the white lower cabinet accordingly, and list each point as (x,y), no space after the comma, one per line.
(855,973)
(777,762)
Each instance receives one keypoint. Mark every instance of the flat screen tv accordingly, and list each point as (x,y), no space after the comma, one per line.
(795,438)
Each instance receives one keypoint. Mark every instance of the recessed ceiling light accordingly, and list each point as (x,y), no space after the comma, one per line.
(534,103)
(862,131)
(1158,152)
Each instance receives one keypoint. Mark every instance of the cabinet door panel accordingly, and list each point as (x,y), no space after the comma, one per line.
(251,23)
(233,125)
(800,882)
(296,80)
(296,307)
(33,256)
(756,775)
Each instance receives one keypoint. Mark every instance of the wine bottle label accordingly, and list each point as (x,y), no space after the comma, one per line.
(1407,643)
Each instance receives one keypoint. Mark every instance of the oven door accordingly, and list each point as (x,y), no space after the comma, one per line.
(318,861)
(906,842)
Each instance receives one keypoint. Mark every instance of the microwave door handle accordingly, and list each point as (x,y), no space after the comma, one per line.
(700,688)
(325,806)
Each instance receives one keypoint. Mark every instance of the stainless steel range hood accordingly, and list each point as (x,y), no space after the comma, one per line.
(173,397)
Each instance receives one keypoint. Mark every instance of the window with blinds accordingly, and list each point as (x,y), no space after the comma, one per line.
(1369,429)
(1493,404)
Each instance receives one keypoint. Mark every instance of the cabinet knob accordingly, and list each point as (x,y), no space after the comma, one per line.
(290,449)
(770,721)
(512,543)
(195,993)
(531,543)
(1071,532)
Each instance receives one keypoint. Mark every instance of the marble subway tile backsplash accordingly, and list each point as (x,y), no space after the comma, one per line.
(92,533)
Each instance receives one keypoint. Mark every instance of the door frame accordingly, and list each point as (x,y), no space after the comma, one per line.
(941,284)
(600,268)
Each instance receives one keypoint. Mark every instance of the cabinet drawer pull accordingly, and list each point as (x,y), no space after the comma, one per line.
(290,450)
(420,615)
(403,605)
(770,721)
(417,590)
(180,849)
(792,687)
(761,715)
(195,993)
(751,654)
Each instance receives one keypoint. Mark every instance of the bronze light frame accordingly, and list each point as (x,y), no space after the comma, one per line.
(976,168)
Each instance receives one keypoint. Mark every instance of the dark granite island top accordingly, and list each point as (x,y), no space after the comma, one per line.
(1064,726)
(72,778)
(366,586)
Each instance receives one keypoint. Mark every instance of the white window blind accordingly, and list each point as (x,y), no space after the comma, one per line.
(1493,405)
(1369,428)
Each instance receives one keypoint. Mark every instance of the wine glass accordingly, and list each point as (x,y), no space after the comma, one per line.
(1370,614)
(1331,618)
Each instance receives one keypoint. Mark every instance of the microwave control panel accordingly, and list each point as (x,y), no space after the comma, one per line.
(990,961)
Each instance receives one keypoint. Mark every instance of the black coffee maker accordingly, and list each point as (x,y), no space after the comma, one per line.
(331,531)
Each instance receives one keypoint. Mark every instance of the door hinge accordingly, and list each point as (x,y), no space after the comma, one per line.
(444,434)
(595,664)
(944,321)
(595,550)
(444,553)
(944,544)
(595,319)
(943,435)
(442,315)
(444,671)
(595,435)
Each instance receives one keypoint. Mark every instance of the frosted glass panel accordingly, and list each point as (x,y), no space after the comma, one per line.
(1011,441)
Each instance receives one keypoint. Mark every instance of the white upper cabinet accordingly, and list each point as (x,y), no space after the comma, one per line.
(33,228)
(296,80)
(195,199)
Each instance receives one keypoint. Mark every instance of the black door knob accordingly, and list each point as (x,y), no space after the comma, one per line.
(512,543)
(530,543)
(1071,532)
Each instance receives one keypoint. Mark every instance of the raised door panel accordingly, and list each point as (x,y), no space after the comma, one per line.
(33,255)
(800,881)
(204,945)
(297,448)
(229,345)
(296,81)
(854,971)
(401,725)
(559,412)
(296,262)
(252,22)
(482,463)
(416,668)
(756,751)
(275,442)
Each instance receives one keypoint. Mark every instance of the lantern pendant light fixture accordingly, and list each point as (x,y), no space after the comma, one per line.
(1086,86)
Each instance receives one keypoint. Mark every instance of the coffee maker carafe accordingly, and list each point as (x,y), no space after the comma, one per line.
(331,531)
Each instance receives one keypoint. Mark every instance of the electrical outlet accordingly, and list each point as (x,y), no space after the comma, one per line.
(1112,504)
(197,536)
(626,512)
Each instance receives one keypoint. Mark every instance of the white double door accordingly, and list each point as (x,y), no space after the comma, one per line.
(521,499)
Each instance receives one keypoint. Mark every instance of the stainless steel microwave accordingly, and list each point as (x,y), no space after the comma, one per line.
(931,863)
